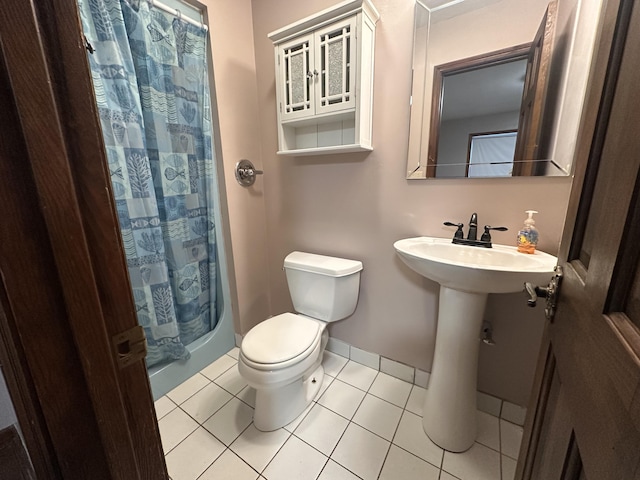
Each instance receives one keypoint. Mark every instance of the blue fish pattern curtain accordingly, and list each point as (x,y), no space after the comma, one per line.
(150,78)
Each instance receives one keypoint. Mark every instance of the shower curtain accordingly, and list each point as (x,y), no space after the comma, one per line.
(150,78)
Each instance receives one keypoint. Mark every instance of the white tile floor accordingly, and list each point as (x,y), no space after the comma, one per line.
(364,424)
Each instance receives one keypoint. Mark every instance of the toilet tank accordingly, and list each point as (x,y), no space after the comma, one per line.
(321,287)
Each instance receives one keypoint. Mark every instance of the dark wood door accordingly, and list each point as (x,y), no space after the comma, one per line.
(532,108)
(585,416)
(64,287)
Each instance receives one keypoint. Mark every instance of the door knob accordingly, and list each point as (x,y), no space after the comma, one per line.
(550,293)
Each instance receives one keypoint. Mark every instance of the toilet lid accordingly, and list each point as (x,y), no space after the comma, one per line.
(280,338)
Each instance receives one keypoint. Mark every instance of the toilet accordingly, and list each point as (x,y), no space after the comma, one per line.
(281,357)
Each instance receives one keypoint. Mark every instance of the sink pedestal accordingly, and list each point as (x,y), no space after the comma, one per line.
(449,416)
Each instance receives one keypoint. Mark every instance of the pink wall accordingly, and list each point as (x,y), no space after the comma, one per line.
(357,205)
(236,92)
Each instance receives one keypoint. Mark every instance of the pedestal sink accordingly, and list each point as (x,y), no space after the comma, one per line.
(466,274)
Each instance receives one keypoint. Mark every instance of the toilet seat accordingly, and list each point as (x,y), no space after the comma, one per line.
(280,341)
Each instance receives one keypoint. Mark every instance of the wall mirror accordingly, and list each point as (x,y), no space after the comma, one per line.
(477,109)
(477,115)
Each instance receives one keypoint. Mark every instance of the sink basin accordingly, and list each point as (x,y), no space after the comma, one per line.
(501,269)
(466,275)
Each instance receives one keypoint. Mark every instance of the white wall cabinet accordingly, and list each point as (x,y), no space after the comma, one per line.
(324,80)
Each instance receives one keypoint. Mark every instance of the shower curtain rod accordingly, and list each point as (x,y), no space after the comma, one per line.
(177,13)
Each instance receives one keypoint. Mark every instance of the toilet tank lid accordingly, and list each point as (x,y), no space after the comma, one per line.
(322,264)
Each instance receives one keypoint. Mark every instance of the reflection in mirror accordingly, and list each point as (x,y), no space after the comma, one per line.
(447,33)
(491,154)
(478,97)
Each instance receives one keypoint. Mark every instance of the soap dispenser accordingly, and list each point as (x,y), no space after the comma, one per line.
(528,235)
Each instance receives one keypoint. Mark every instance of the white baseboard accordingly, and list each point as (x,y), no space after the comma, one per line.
(486,403)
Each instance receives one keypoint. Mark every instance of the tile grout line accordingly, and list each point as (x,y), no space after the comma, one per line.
(500,443)
(323,466)
(348,358)
(209,417)
(354,414)
(441,467)
(313,403)
(201,424)
(200,389)
(417,456)
(392,436)
(232,453)
(348,419)
(291,433)
(237,455)
(279,449)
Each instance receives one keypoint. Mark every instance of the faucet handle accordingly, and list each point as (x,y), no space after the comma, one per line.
(486,236)
(459,233)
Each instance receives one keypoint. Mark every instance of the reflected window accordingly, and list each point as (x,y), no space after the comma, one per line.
(491,154)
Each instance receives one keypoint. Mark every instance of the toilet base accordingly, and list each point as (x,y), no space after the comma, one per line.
(277,407)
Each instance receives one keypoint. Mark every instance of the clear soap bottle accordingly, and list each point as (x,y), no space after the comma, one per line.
(528,236)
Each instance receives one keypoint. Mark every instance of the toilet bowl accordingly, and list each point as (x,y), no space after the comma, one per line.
(281,357)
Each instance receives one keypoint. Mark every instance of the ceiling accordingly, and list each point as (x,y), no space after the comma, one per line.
(444,9)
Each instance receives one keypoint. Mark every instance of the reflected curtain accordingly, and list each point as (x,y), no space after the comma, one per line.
(150,79)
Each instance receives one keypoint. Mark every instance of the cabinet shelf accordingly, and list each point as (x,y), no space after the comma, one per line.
(324,80)
(303,152)
(320,119)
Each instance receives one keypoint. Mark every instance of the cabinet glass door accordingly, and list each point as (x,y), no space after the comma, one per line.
(296,70)
(335,60)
